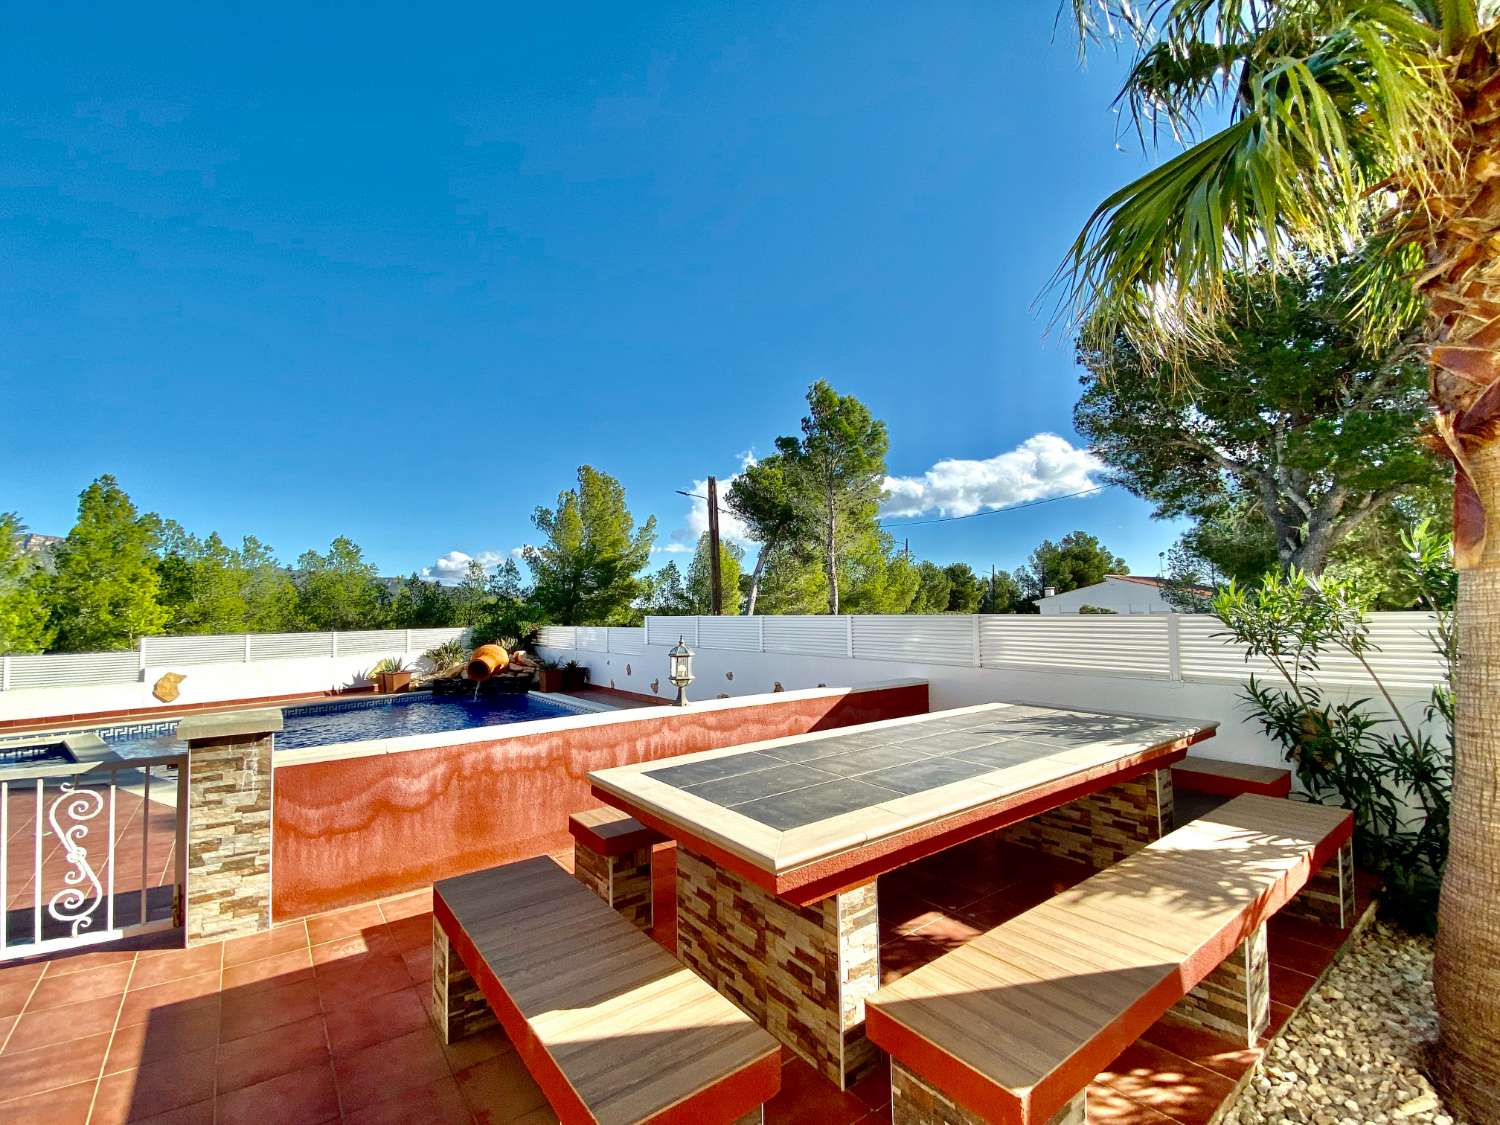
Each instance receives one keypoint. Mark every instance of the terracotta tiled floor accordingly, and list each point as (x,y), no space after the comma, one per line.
(325,1019)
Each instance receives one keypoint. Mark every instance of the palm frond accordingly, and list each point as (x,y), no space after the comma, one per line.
(1331,98)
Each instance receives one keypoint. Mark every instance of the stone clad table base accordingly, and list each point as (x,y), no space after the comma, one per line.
(801,972)
(1104,827)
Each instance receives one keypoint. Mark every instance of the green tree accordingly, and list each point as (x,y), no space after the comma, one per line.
(23,612)
(103,593)
(700,578)
(792,580)
(471,599)
(838,475)
(965,588)
(1328,105)
(879,579)
(270,594)
(764,498)
(668,594)
(339,590)
(588,569)
(1291,412)
(1002,594)
(419,603)
(218,585)
(934,589)
(1075,561)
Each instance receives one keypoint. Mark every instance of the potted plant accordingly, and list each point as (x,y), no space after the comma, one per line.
(574,675)
(549,677)
(392,675)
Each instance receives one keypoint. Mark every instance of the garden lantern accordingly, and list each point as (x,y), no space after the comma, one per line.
(680,670)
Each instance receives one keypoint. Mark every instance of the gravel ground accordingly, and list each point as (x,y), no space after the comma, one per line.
(1353,1054)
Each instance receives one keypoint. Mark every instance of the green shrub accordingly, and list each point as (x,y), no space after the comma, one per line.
(1396,779)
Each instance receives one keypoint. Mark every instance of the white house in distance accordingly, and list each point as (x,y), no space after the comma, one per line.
(1118,593)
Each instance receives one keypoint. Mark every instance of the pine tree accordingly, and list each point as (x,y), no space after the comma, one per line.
(588,571)
(104,593)
(23,613)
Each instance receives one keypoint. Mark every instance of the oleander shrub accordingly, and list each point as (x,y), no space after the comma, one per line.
(1362,754)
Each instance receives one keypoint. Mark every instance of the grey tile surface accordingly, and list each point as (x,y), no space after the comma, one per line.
(797,784)
(815,803)
(695,773)
(1003,754)
(742,787)
(866,761)
(918,777)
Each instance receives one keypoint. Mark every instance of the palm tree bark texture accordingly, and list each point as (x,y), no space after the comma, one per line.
(1462,287)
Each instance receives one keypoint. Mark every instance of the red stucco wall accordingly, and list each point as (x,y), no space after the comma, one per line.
(356,829)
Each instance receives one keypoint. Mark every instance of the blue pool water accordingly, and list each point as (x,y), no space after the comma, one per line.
(355,720)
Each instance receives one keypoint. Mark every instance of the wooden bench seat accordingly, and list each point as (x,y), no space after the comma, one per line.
(1229,779)
(611,832)
(612,1027)
(1014,1025)
(612,857)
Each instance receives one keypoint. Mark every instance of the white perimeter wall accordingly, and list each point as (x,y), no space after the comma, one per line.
(204,683)
(729,673)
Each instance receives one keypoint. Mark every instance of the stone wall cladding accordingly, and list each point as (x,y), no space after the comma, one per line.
(622,881)
(459,1008)
(1104,827)
(228,837)
(801,972)
(1235,998)
(914,1102)
(1328,896)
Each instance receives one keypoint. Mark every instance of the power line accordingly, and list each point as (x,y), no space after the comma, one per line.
(997,511)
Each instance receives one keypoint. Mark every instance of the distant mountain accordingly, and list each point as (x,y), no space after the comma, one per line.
(39,548)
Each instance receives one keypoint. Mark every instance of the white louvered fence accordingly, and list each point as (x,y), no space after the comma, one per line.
(1171,647)
(85,669)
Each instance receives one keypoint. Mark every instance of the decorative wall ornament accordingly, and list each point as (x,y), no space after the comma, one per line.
(71,905)
(166,688)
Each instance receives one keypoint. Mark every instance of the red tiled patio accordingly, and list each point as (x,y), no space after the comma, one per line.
(325,1019)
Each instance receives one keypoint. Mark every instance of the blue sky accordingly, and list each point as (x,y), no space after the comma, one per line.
(394,272)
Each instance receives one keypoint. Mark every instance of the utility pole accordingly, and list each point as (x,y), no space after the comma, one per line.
(713,546)
(908,548)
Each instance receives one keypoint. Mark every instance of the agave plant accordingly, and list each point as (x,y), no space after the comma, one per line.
(390,664)
(1340,114)
(446,655)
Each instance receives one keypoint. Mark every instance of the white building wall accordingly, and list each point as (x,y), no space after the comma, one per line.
(1122,597)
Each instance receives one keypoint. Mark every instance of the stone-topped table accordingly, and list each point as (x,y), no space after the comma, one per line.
(780,842)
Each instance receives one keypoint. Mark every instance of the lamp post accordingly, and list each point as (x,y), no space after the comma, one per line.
(680,670)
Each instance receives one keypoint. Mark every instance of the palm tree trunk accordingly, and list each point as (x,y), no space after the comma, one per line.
(1462,286)
(1467,970)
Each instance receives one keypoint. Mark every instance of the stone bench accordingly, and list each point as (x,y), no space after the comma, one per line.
(1013,1026)
(612,1027)
(612,857)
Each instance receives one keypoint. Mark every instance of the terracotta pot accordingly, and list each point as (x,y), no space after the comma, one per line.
(549,679)
(387,682)
(486,661)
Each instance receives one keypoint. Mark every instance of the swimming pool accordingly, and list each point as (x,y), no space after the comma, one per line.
(356,720)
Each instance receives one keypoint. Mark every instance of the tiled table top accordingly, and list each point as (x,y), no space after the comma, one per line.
(798,804)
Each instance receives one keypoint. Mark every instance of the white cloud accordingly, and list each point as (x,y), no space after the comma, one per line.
(450,568)
(671,549)
(1042,466)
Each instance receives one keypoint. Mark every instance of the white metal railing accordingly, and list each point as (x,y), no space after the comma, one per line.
(71,843)
(1182,648)
(90,668)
